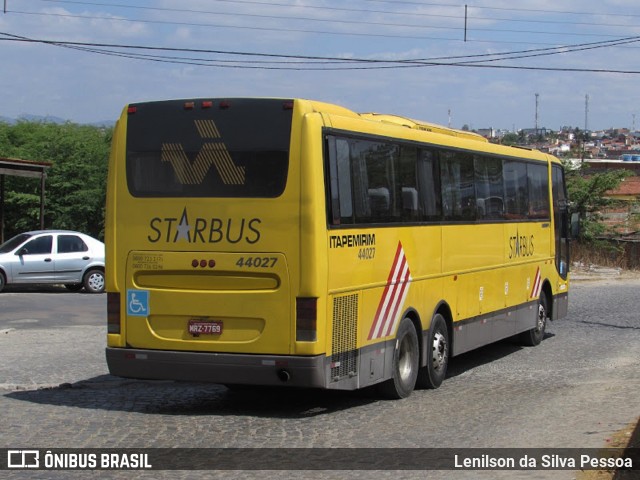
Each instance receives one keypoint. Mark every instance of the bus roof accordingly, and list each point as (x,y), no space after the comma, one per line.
(453,134)
(395,120)
(424,126)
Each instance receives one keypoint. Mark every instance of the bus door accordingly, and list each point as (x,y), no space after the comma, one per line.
(561,221)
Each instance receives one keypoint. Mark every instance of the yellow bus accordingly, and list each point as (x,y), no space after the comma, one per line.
(294,242)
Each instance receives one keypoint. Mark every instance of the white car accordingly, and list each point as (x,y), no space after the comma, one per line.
(53,256)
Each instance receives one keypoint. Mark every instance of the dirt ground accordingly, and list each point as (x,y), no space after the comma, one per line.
(629,436)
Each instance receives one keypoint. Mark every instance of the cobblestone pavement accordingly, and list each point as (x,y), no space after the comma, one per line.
(574,390)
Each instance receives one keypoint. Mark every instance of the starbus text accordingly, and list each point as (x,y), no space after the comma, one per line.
(520,246)
(205,230)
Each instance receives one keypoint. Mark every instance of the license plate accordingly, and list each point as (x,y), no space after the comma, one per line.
(199,327)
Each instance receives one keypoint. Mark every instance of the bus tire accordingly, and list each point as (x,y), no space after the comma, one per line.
(405,363)
(533,337)
(432,375)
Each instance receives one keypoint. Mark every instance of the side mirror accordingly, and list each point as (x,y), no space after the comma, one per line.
(575,225)
(22,251)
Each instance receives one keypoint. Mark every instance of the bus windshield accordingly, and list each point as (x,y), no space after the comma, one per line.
(232,148)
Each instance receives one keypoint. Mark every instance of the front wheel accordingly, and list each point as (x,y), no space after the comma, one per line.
(94,281)
(405,363)
(432,375)
(533,337)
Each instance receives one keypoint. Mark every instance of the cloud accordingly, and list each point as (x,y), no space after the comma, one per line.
(86,86)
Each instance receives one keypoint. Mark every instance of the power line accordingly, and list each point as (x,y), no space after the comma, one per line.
(456,6)
(250,15)
(511,9)
(324,20)
(310,31)
(351,10)
(102,48)
(509,54)
(249,2)
(243,27)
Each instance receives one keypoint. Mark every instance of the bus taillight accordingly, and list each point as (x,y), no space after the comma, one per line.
(113,312)
(306,319)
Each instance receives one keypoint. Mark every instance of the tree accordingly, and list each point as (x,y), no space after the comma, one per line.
(588,196)
(510,139)
(522,137)
(76,182)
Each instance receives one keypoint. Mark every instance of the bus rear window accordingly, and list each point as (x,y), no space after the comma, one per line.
(232,148)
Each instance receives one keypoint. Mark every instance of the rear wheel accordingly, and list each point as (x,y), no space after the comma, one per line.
(94,281)
(432,375)
(533,337)
(2,281)
(405,363)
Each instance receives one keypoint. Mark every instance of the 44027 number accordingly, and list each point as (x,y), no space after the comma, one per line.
(367,253)
(256,262)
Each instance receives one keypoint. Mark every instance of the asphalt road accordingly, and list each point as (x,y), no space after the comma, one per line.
(576,389)
(49,306)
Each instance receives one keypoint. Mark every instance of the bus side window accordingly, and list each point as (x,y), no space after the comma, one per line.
(360,181)
(408,183)
(538,191)
(458,186)
(340,181)
(515,190)
(374,167)
(429,184)
(489,188)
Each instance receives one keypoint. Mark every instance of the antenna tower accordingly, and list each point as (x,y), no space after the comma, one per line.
(586,112)
(537,95)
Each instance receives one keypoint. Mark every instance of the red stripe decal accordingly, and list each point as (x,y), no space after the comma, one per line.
(393,296)
(535,291)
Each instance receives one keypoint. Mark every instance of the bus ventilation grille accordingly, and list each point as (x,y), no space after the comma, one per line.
(344,358)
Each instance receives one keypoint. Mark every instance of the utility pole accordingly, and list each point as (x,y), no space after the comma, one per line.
(449,112)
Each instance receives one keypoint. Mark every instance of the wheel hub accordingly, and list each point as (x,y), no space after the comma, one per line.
(542,318)
(439,351)
(405,356)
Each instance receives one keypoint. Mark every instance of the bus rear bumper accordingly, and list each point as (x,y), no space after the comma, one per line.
(226,368)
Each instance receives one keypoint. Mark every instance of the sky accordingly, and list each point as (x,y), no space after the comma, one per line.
(484,64)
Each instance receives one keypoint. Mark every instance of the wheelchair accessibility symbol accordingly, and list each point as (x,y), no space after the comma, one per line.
(138,303)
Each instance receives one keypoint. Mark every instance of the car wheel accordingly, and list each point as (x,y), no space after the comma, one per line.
(3,282)
(94,281)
